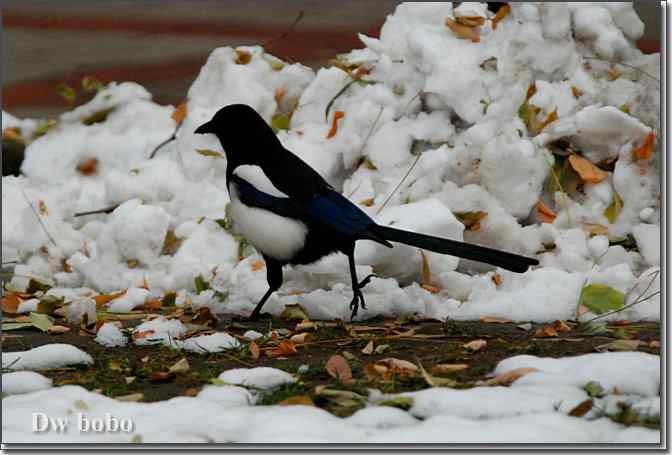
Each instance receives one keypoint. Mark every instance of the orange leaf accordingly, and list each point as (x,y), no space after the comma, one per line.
(560,326)
(447,368)
(501,14)
(586,169)
(552,117)
(463,31)
(254,349)
(179,113)
(531,90)
(497,279)
(101,300)
(546,215)
(151,305)
(470,21)
(582,408)
(142,334)
(508,378)
(10,303)
(285,348)
(302,400)
(338,368)
(645,151)
(546,332)
(88,167)
(334,124)
(257,265)
(430,288)
(42,207)
(12,134)
(576,92)
(493,320)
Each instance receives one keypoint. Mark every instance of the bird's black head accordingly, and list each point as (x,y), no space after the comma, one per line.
(244,134)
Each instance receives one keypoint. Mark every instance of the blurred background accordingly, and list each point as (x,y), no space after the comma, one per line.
(162,44)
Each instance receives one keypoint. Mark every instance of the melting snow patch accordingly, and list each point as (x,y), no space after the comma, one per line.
(23,382)
(110,335)
(215,342)
(259,377)
(48,356)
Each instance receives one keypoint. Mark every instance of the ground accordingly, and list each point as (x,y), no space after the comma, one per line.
(426,343)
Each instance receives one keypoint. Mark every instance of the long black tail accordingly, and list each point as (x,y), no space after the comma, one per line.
(508,261)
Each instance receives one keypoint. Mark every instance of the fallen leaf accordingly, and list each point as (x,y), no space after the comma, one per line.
(430,288)
(401,402)
(463,31)
(399,366)
(381,348)
(582,408)
(42,207)
(449,368)
(561,326)
(209,153)
(475,345)
(546,215)
(497,279)
(130,379)
(546,332)
(102,300)
(300,337)
(619,345)
(179,113)
(280,94)
(526,326)
(41,321)
(471,220)
(655,344)
(550,118)
(613,73)
(10,303)
(280,122)
(204,317)
(434,381)
(307,325)
(501,14)
(161,376)
(254,350)
(132,263)
(192,391)
(294,312)
(58,329)
(88,167)
(130,397)
(338,368)
(140,335)
(91,84)
(171,243)
(595,229)
(588,172)
(508,378)
(614,208)
(594,389)
(151,305)
(257,265)
(367,202)
(334,123)
(301,400)
(426,274)
(12,134)
(576,92)
(368,349)
(243,57)
(180,366)
(285,348)
(599,298)
(493,320)
(645,151)
(66,92)
(470,21)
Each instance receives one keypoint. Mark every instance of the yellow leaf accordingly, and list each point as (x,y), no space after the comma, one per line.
(552,117)
(179,113)
(501,14)
(463,31)
(595,229)
(614,208)
(302,400)
(210,153)
(588,172)
(471,220)
(470,21)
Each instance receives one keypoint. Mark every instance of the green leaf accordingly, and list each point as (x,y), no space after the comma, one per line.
(600,299)
(594,389)
(614,209)
(66,92)
(401,402)
(42,129)
(97,117)
(280,122)
(169,298)
(294,312)
(15,325)
(200,284)
(49,303)
(210,153)
(381,348)
(619,345)
(91,84)
(35,286)
(41,321)
(593,328)
(470,220)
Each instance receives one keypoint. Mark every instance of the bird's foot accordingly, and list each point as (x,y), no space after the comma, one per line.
(357,301)
(258,316)
(366,280)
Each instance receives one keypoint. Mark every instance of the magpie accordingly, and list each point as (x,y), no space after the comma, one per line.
(291,215)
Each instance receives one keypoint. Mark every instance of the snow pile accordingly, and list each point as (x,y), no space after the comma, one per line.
(533,410)
(55,355)
(473,118)
(111,336)
(23,382)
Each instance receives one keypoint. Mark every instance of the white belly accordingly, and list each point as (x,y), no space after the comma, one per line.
(274,235)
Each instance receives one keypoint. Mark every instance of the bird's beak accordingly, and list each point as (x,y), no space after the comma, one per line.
(204,128)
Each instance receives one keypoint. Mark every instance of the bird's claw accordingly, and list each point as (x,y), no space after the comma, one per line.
(366,281)
(357,301)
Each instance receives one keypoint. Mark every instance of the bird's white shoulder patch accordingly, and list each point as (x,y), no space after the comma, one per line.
(256,176)
(276,236)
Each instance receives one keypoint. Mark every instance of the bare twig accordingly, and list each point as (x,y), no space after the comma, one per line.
(37,215)
(94,212)
(403,179)
(638,300)
(289,30)
(624,64)
(170,139)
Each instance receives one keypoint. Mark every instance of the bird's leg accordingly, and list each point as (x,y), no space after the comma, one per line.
(274,278)
(366,280)
(358,297)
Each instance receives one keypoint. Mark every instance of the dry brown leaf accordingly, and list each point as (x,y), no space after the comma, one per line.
(582,408)
(161,376)
(254,350)
(334,124)
(470,21)
(142,334)
(10,303)
(475,345)
(546,215)
(243,57)
(501,14)
(497,279)
(338,368)
(367,202)
(151,305)
(586,169)
(645,151)
(531,90)
(561,326)
(494,320)
(180,366)
(448,368)
(179,113)
(257,265)
(204,317)
(546,332)
(42,207)
(576,92)
(621,322)
(463,31)
(508,378)
(613,73)
(302,400)
(192,391)
(88,167)
(368,349)
(655,344)
(595,229)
